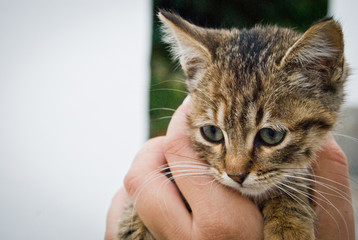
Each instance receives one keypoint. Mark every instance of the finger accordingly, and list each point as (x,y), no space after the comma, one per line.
(180,155)
(119,202)
(155,198)
(213,203)
(333,195)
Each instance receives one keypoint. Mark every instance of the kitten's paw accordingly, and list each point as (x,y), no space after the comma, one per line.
(287,219)
(135,234)
(288,233)
(131,227)
(289,229)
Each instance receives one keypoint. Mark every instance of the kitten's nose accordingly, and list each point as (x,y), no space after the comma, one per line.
(239,178)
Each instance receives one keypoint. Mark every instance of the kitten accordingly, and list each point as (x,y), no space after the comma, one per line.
(263,100)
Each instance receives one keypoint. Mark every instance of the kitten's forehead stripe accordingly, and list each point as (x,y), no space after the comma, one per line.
(221,113)
(250,142)
(259,115)
(244,109)
(257,90)
(210,113)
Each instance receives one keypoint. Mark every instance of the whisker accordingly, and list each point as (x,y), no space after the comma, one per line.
(321,183)
(179,155)
(346,136)
(334,173)
(192,168)
(341,196)
(326,193)
(169,89)
(347,199)
(327,186)
(167,109)
(175,154)
(320,205)
(186,92)
(211,185)
(188,165)
(192,174)
(191,162)
(190,171)
(162,108)
(161,118)
(295,198)
(150,177)
(162,82)
(200,168)
(159,172)
(171,179)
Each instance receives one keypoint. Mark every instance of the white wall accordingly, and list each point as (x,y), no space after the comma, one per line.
(73,95)
(345,11)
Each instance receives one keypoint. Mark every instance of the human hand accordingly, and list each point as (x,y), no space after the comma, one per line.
(159,204)
(217,212)
(332,193)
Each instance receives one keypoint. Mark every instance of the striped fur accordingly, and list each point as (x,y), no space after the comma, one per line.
(266,77)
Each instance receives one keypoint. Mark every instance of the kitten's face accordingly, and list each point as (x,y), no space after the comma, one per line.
(262,99)
(254,136)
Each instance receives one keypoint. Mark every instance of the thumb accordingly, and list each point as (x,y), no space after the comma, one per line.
(332,193)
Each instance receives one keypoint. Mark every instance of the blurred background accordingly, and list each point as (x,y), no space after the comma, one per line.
(83,84)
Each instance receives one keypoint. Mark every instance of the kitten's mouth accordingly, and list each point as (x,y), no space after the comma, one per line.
(252,186)
(249,186)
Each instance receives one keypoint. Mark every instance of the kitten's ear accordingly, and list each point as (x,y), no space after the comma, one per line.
(320,51)
(188,43)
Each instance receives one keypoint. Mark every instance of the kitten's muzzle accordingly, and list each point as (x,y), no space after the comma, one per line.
(239,178)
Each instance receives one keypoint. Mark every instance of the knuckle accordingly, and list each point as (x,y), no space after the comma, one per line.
(338,155)
(153,143)
(174,146)
(134,177)
(341,157)
(131,183)
(334,152)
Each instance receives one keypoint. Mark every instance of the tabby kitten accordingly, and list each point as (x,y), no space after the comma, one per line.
(263,100)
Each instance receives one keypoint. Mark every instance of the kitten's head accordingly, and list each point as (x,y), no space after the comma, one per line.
(263,99)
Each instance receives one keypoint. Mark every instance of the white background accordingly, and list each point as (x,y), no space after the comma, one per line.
(73,112)
(345,11)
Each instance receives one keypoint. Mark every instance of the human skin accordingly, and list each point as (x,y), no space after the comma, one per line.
(217,211)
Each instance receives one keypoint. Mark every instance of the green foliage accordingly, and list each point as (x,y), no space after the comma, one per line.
(165,74)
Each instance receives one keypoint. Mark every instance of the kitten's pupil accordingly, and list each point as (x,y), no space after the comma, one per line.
(272,133)
(271,137)
(212,133)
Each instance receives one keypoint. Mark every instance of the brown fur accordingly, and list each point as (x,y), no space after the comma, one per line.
(131,226)
(242,81)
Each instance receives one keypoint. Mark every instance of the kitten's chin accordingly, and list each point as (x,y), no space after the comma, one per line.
(249,188)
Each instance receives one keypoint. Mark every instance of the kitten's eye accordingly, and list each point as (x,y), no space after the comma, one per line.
(212,133)
(271,137)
